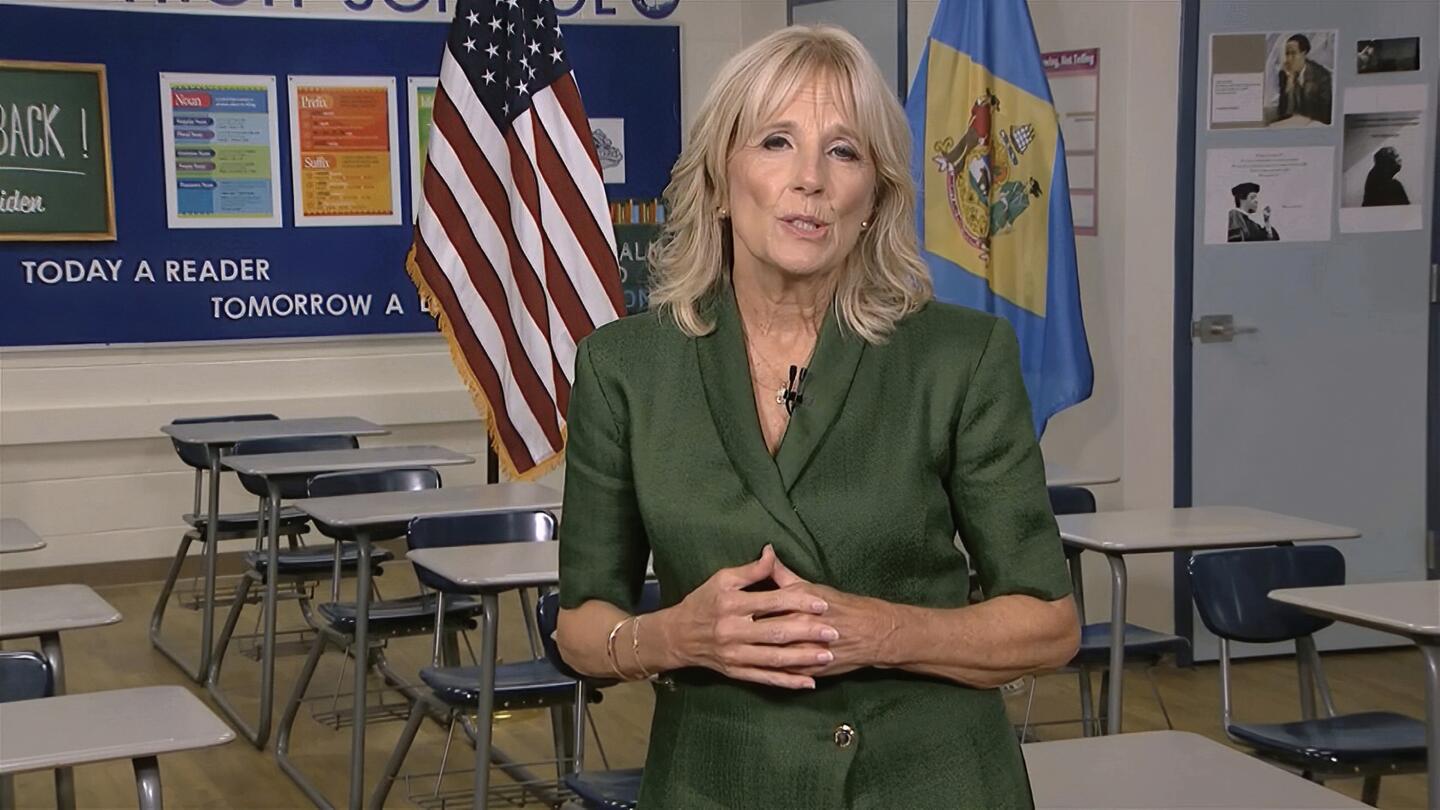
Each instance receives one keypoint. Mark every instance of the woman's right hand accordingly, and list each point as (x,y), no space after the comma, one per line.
(750,635)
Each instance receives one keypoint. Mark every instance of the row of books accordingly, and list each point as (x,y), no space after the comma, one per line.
(637,212)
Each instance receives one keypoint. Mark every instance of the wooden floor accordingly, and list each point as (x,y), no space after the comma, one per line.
(237,775)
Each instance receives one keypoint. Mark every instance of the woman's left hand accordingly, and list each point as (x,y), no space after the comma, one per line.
(865,625)
(981,646)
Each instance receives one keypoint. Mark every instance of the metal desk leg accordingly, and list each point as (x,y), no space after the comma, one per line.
(260,732)
(147,783)
(64,777)
(287,726)
(577,728)
(562,729)
(1077,583)
(212,551)
(489,641)
(362,671)
(1082,674)
(1430,652)
(336,572)
(50,648)
(201,670)
(1305,655)
(1118,586)
(272,604)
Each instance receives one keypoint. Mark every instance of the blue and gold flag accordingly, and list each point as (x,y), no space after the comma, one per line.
(994,206)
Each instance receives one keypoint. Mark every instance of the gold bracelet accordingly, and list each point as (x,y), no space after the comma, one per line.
(635,647)
(610,648)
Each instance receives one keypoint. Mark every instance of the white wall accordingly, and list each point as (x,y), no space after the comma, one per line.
(81,460)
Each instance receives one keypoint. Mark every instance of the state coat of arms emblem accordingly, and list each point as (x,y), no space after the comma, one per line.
(985,188)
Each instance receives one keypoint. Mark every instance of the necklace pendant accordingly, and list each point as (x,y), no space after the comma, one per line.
(780,395)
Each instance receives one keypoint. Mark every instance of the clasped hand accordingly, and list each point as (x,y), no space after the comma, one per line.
(785,637)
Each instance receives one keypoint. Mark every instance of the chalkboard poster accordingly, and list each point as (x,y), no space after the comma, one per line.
(54,153)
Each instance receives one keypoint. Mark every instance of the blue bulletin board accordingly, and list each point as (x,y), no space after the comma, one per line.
(627,72)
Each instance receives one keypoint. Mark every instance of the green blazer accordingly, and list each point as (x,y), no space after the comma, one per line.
(895,449)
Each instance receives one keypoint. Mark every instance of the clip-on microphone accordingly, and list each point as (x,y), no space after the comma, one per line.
(793,394)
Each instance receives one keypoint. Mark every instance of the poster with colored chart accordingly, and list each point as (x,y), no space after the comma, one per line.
(222,151)
(344,150)
(422,113)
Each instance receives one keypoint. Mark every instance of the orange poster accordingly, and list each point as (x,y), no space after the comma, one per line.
(345,161)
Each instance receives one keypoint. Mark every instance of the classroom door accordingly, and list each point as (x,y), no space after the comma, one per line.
(1311,274)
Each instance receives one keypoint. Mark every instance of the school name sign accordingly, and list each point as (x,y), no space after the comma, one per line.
(436,9)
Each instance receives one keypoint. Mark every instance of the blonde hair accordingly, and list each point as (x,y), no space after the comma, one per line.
(884,279)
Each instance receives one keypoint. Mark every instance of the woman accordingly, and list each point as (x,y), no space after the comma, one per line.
(816,644)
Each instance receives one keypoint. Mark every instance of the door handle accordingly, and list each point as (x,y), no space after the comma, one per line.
(1218,329)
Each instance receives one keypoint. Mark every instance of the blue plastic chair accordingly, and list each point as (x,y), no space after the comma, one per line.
(1071,501)
(229,526)
(197,457)
(1142,644)
(454,690)
(296,561)
(386,619)
(617,789)
(24,675)
(1231,591)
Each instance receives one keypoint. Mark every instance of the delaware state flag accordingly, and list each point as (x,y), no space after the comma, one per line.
(994,207)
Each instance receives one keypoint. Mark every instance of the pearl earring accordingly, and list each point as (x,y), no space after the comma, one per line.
(864,223)
(724,212)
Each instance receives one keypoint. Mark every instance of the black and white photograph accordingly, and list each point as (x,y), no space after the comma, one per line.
(1272,79)
(1268,195)
(1387,55)
(1383,159)
(1248,221)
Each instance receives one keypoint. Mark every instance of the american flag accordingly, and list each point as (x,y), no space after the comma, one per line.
(514,248)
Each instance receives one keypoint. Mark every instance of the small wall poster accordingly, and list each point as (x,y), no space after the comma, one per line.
(221,137)
(421,98)
(1075,85)
(1274,79)
(344,152)
(1268,195)
(608,134)
(1387,55)
(1382,164)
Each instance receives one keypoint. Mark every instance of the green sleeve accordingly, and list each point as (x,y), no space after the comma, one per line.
(603,549)
(997,481)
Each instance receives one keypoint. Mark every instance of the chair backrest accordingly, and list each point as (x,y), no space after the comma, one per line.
(291,486)
(24,675)
(1231,590)
(547,617)
(1071,501)
(366,481)
(446,531)
(194,454)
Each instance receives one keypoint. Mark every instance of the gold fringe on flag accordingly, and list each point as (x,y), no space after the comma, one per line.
(492,430)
